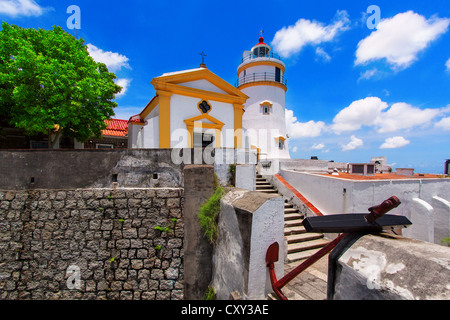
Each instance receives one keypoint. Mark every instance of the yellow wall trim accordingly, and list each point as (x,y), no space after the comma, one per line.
(149,107)
(164,119)
(238,114)
(199,74)
(136,123)
(195,122)
(197,93)
(216,124)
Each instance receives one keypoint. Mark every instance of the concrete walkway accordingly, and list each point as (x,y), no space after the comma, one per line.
(311,284)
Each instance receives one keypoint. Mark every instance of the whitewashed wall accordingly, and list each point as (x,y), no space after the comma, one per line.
(182,108)
(204,85)
(266,126)
(135,136)
(151,133)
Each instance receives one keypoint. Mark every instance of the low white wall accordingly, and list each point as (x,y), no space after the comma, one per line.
(333,195)
(305,165)
(249,223)
(246,176)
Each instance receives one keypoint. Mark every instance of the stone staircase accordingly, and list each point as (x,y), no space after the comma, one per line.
(301,244)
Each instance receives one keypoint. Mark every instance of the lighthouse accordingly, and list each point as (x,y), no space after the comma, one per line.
(261,78)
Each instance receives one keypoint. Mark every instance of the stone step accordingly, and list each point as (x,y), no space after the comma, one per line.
(264,186)
(303,237)
(293,223)
(306,245)
(294,230)
(268,190)
(292,257)
(291,210)
(292,216)
(301,244)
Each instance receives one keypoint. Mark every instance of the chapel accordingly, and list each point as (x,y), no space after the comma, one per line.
(197,108)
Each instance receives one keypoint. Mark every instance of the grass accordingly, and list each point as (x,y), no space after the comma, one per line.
(209,214)
(210,294)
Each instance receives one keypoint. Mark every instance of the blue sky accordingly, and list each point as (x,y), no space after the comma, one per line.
(353,92)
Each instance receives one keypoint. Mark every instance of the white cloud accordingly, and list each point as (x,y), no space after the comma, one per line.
(124,83)
(400,39)
(368,74)
(447,64)
(322,54)
(290,40)
(444,123)
(297,129)
(16,8)
(358,113)
(318,146)
(404,116)
(113,60)
(374,112)
(371,74)
(354,143)
(394,143)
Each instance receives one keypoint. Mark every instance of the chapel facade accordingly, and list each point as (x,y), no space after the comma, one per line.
(196,108)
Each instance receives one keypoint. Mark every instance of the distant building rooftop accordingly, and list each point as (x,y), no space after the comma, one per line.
(116,128)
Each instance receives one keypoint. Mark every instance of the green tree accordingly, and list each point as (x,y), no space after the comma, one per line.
(50,84)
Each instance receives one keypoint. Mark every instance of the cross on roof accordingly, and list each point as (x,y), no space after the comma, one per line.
(203,56)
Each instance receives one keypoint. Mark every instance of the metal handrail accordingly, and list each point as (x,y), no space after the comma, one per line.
(252,56)
(263,76)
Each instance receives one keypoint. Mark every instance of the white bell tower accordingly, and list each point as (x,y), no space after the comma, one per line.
(261,78)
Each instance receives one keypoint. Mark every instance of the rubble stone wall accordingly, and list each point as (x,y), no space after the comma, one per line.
(92,244)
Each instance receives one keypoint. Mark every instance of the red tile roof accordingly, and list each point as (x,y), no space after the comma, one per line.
(116,128)
(136,119)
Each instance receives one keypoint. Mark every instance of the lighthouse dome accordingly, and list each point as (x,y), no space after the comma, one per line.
(261,49)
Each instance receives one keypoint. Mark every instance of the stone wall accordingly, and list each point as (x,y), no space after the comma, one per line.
(374,267)
(90,168)
(197,249)
(109,236)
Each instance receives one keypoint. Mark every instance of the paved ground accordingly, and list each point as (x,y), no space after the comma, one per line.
(311,284)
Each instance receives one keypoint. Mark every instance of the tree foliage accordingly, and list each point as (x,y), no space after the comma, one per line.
(50,84)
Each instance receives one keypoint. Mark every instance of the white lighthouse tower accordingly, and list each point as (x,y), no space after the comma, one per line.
(261,78)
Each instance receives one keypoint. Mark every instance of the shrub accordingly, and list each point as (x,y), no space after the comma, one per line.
(209,214)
